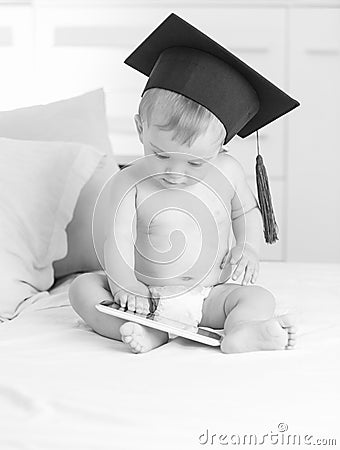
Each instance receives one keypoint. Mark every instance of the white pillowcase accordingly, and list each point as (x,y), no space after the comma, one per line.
(77,119)
(40,183)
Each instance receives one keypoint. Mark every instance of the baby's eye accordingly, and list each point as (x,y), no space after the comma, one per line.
(196,164)
(158,155)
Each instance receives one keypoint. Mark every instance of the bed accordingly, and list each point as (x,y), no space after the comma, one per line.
(65,387)
(62,386)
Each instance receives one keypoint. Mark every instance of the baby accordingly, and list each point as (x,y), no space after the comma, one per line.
(168,237)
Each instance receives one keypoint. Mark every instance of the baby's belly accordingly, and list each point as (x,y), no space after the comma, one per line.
(182,235)
(179,251)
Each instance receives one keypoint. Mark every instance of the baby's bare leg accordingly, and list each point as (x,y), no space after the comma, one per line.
(91,288)
(249,322)
(85,292)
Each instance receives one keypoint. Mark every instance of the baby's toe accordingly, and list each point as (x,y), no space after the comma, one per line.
(291,339)
(292,330)
(138,348)
(134,344)
(291,342)
(292,335)
(287,321)
(127,339)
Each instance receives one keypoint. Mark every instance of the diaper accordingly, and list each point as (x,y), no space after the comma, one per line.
(179,306)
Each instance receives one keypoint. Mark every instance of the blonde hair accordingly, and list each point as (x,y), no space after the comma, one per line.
(187,118)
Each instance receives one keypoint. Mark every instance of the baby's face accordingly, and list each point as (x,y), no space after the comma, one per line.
(177,165)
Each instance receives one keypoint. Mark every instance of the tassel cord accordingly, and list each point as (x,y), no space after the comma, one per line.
(265,201)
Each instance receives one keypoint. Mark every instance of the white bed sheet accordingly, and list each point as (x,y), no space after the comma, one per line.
(62,386)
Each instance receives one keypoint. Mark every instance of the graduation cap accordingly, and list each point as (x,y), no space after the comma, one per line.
(178,57)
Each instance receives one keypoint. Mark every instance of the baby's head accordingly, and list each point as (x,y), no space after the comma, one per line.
(179,136)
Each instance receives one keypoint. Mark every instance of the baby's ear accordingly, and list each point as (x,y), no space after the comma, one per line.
(139,127)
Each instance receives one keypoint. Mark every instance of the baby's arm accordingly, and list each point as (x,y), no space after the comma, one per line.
(246,224)
(245,214)
(120,240)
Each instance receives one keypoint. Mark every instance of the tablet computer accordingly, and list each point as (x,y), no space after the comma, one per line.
(203,335)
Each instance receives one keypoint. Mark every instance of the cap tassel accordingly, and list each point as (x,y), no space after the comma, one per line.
(263,192)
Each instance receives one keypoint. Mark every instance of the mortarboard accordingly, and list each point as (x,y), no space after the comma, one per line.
(178,57)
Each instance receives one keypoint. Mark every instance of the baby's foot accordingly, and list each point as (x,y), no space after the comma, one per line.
(287,322)
(272,334)
(141,339)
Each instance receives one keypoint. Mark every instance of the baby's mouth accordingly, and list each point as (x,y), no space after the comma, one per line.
(173,183)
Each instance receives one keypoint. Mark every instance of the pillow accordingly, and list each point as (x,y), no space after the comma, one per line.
(78,119)
(40,183)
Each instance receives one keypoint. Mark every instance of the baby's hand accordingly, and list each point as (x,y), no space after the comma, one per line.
(132,301)
(246,260)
